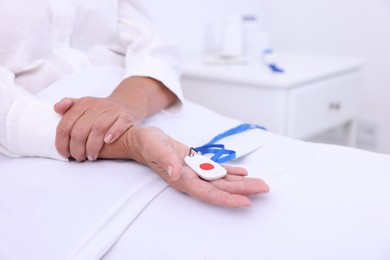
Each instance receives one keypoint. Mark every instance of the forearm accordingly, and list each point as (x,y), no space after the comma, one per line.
(142,95)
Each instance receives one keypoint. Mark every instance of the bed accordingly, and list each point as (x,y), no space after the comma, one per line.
(326,202)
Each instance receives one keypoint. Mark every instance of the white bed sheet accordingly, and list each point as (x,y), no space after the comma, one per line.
(68,210)
(326,202)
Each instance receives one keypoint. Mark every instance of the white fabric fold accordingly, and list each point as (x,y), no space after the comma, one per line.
(68,210)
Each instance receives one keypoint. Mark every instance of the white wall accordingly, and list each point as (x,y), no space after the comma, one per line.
(350,27)
(358,28)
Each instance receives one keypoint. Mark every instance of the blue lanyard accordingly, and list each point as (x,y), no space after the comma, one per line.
(222,155)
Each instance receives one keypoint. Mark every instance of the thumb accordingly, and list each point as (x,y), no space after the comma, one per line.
(174,168)
(64,105)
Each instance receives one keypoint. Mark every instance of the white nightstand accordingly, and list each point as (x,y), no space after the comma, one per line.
(316,93)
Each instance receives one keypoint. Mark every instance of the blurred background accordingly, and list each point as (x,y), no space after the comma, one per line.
(356,28)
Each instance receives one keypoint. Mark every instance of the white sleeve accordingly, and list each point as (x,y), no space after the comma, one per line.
(147,53)
(27,124)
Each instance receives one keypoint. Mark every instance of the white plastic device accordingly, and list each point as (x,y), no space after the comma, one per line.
(205,167)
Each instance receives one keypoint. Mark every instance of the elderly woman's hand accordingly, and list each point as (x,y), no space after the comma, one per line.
(88,123)
(165,155)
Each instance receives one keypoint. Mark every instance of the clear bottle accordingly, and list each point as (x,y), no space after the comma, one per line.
(256,39)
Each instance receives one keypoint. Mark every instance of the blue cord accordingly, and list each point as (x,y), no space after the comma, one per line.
(222,155)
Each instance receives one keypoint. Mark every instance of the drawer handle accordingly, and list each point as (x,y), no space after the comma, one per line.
(335,106)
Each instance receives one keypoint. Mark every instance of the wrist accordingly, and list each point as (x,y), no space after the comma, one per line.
(125,147)
(132,145)
(132,96)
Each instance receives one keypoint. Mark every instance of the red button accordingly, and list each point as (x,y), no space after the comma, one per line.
(206,166)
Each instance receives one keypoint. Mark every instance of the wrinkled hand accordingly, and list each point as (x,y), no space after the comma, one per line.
(87,124)
(166,157)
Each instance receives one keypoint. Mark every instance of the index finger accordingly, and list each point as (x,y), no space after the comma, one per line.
(64,129)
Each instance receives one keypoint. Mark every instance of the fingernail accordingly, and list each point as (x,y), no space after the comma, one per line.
(170,170)
(108,138)
(91,158)
(63,100)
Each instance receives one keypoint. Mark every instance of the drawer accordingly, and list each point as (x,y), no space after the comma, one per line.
(322,105)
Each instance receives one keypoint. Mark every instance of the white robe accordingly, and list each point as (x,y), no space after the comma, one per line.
(44,41)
